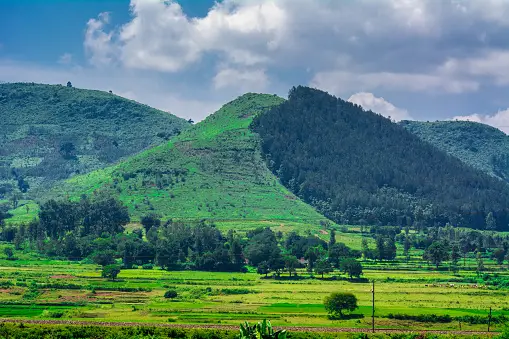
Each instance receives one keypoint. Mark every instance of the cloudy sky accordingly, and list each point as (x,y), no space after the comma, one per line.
(408,59)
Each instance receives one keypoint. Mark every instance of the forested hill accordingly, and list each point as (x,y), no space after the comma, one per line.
(359,167)
(213,170)
(479,145)
(52,132)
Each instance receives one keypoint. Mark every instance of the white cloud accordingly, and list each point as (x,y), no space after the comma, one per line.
(340,82)
(310,34)
(65,59)
(241,80)
(369,101)
(98,44)
(493,64)
(499,120)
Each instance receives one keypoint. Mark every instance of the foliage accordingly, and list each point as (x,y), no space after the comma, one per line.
(338,302)
(110,271)
(351,267)
(261,330)
(170,294)
(478,145)
(358,167)
(437,252)
(50,133)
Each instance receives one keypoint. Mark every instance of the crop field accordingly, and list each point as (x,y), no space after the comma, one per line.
(35,288)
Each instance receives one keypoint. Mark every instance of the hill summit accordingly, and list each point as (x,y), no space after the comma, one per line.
(52,132)
(356,166)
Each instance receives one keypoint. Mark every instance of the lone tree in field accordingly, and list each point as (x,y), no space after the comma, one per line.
(338,302)
(111,272)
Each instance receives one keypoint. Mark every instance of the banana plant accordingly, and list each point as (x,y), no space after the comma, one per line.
(262,330)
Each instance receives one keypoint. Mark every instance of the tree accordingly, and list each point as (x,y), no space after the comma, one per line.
(170,294)
(380,247)
(323,266)
(9,253)
(263,268)
(499,255)
(491,224)
(337,252)
(455,257)
(110,271)
(406,247)
(351,267)
(68,150)
(480,263)
(332,239)
(436,253)
(337,302)
(312,255)
(69,84)
(149,221)
(390,249)
(291,263)
(104,258)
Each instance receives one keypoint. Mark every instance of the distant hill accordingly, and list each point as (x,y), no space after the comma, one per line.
(49,133)
(359,167)
(479,145)
(213,170)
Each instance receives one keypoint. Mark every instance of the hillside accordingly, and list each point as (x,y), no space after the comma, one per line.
(50,133)
(478,145)
(213,170)
(359,167)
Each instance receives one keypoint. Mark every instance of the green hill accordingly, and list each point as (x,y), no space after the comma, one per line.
(359,167)
(213,170)
(49,133)
(479,145)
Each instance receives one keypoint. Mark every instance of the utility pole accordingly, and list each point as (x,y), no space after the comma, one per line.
(489,320)
(373,308)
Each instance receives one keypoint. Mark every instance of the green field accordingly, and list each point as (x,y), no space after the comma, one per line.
(76,291)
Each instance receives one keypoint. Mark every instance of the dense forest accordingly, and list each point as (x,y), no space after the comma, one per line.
(357,167)
(52,132)
(478,145)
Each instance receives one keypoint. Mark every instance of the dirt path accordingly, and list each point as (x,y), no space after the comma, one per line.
(232,327)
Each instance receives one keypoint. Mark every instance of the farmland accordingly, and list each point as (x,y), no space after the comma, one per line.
(37,288)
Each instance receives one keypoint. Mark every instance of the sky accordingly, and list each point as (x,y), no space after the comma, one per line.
(408,59)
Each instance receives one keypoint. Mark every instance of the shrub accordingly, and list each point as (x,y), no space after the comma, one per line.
(170,294)
(148,266)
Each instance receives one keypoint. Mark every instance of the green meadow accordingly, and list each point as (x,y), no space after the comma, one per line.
(33,287)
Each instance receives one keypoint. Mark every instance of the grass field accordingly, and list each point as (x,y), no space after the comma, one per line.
(70,290)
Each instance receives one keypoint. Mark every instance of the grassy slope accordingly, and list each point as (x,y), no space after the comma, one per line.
(474,143)
(213,170)
(38,119)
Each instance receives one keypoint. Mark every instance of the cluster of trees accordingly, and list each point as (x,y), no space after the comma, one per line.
(451,244)
(357,167)
(94,229)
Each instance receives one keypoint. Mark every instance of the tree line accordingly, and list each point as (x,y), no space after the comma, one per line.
(93,229)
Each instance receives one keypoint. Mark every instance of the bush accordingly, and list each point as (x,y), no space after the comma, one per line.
(170,294)
(148,266)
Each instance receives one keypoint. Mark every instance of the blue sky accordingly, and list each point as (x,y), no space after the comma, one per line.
(418,59)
